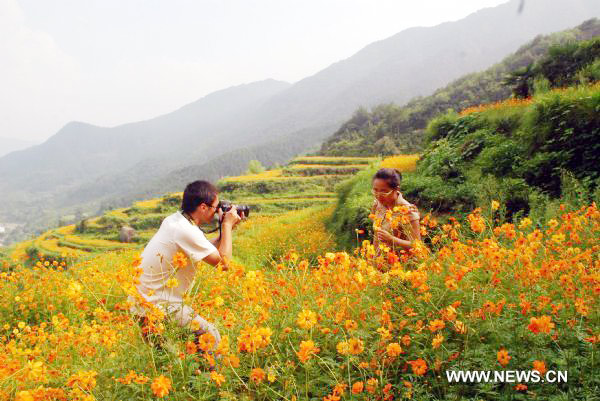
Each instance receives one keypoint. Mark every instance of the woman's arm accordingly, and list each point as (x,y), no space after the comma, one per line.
(416,230)
(389,239)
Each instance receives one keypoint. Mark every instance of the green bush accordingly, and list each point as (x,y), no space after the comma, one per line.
(434,193)
(440,127)
(172,200)
(310,172)
(353,209)
(145,222)
(109,222)
(280,186)
(442,158)
(500,160)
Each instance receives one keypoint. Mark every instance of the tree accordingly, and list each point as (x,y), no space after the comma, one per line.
(255,167)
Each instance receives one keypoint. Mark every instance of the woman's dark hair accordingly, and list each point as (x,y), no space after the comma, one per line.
(392,176)
(198,192)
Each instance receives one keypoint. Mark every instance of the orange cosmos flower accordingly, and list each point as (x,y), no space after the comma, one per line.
(343,348)
(355,346)
(521,387)
(350,325)
(232,361)
(217,378)
(540,366)
(437,340)
(477,222)
(419,366)
(180,260)
(190,347)
(503,357)
(161,386)
(306,319)
(172,283)
(24,396)
(85,380)
(206,342)
(436,325)
(393,349)
(257,375)
(372,384)
(460,327)
(307,350)
(541,324)
(358,387)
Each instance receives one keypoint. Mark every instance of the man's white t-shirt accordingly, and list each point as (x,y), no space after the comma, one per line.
(176,233)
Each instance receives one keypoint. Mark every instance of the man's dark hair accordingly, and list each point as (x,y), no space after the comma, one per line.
(392,176)
(198,192)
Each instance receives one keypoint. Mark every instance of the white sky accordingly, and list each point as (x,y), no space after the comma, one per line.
(109,62)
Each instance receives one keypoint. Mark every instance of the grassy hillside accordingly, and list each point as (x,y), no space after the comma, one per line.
(306,182)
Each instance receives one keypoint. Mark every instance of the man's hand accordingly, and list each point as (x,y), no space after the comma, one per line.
(384,236)
(231,218)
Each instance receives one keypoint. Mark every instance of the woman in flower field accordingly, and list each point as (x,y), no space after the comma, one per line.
(396,221)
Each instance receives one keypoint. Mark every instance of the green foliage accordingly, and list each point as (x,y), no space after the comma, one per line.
(353,208)
(565,64)
(434,193)
(590,73)
(111,222)
(334,161)
(440,126)
(281,185)
(499,159)
(145,222)
(255,167)
(310,172)
(520,151)
(442,159)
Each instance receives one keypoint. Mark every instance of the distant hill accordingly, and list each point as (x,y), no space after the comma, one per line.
(8,145)
(88,168)
(392,129)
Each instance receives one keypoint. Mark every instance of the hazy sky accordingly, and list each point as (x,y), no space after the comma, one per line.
(109,62)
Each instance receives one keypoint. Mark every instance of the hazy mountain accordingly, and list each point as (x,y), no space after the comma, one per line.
(8,145)
(86,165)
(391,129)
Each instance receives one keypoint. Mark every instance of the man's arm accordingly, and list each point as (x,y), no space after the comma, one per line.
(224,242)
(215,241)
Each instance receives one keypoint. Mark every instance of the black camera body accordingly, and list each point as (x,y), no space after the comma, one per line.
(226,206)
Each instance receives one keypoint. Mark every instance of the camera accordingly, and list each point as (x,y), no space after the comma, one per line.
(225,206)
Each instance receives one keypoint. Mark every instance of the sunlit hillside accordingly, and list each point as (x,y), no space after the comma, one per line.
(305,182)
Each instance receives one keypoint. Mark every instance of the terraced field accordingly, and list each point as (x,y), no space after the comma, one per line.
(306,182)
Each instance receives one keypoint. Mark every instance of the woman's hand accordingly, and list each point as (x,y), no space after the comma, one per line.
(384,236)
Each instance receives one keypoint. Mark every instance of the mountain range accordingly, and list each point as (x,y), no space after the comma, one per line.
(84,167)
(8,145)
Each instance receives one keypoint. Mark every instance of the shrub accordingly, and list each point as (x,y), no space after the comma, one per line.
(442,159)
(353,208)
(145,222)
(440,127)
(501,160)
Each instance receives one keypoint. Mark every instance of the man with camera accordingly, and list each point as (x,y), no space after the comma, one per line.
(169,259)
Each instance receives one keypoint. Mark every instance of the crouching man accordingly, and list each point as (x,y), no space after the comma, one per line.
(169,260)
